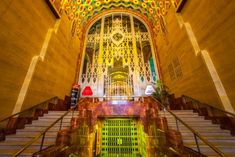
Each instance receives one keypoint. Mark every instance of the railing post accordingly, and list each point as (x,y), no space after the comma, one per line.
(196,135)
(61,122)
(177,125)
(43,137)
(73,113)
(164,111)
(196,141)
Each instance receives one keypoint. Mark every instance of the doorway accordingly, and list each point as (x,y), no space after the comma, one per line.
(119,138)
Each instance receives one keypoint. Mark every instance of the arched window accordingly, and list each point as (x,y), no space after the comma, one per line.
(118,60)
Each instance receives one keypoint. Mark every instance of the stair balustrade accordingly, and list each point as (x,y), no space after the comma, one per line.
(18,120)
(42,134)
(225,119)
(197,135)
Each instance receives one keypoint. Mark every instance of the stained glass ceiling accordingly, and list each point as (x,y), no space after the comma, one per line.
(84,10)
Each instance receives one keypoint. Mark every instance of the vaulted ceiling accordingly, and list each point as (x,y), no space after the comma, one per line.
(83,10)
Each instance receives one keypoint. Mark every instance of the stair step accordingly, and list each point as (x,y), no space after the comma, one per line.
(190,121)
(47,124)
(212,137)
(180,112)
(181,115)
(57,116)
(191,124)
(208,151)
(200,130)
(26,153)
(60,113)
(35,132)
(220,138)
(187,133)
(49,112)
(51,120)
(20,144)
(216,143)
(212,132)
(44,127)
(186,117)
(191,111)
(13,143)
(212,128)
(27,137)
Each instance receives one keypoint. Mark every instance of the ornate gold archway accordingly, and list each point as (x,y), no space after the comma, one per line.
(144,68)
(83,31)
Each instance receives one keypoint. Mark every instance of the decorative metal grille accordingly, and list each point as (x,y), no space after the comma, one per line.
(119,138)
(118,40)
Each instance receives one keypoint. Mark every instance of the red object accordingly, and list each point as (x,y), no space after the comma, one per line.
(87,91)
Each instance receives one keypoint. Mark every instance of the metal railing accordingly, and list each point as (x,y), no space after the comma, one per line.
(41,105)
(43,133)
(210,108)
(195,133)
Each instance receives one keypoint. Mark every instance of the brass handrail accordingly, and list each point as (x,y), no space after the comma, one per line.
(224,111)
(30,108)
(43,132)
(37,137)
(193,131)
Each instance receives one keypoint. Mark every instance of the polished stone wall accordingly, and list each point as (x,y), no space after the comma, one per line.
(38,55)
(201,38)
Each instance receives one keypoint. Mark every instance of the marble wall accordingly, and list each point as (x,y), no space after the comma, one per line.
(202,26)
(32,38)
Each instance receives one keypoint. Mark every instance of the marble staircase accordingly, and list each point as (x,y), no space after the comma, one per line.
(222,139)
(15,142)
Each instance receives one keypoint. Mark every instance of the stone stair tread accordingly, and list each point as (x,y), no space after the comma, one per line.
(60,114)
(211,137)
(38,128)
(13,151)
(55,117)
(48,122)
(205,131)
(222,139)
(45,124)
(14,142)
(29,137)
(25,135)
(190,120)
(212,132)
(217,144)
(179,112)
(212,126)
(180,115)
(221,147)
(35,130)
(44,127)
(51,120)
(173,121)
(11,143)
(197,129)
(214,154)
(61,111)
(192,125)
